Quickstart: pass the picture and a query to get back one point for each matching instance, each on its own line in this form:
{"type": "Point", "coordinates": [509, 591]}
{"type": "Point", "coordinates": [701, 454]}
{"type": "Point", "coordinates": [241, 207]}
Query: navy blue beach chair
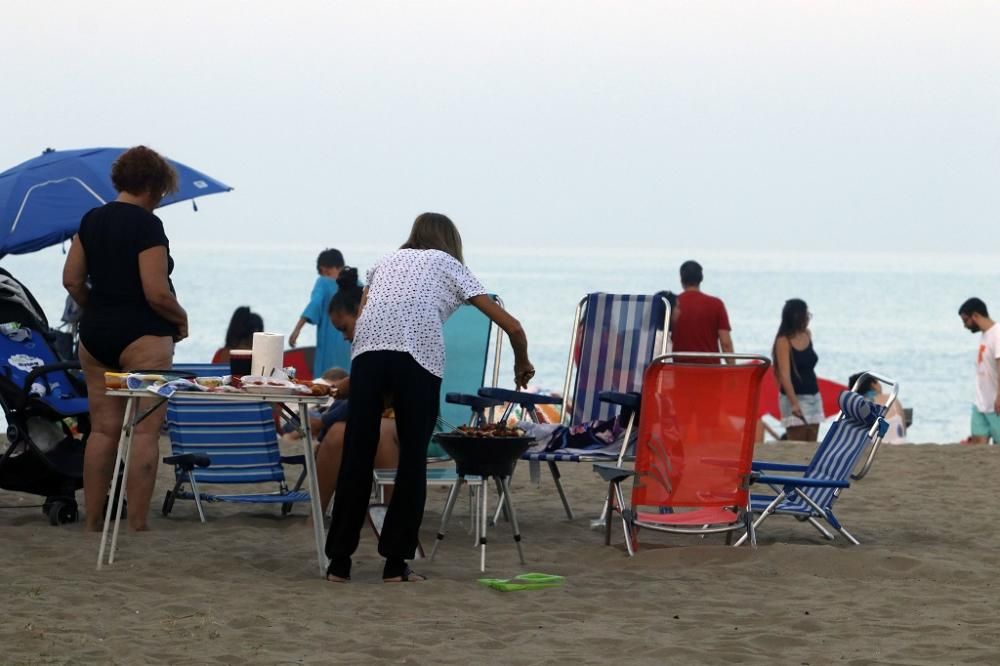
{"type": "Point", "coordinates": [809, 492]}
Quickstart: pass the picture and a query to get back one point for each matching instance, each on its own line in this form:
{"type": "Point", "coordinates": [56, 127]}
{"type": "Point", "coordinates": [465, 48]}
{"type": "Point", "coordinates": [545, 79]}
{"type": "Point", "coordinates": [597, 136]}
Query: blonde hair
{"type": "Point", "coordinates": [434, 231]}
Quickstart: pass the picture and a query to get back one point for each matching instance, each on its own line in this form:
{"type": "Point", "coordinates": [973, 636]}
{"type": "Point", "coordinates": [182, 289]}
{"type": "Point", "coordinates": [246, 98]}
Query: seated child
{"type": "Point", "coordinates": [322, 418]}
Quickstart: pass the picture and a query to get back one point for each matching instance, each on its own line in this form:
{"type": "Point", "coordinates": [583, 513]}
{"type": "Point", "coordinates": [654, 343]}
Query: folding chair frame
{"type": "Point", "coordinates": [788, 488]}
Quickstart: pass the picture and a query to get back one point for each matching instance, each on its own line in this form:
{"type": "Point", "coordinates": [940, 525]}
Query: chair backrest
{"type": "Point", "coordinates": [843, 444]}
{"type": "Point", "coordinates": [613, 340]}
{"type": "Point", "coordinates": [238, 437]}
{"type": "Point", "coordinates": [301, 358]}
{"type": "Point", "coordinates": [696, 432]}
{"type": "Point", "coordinates": [467, 335]}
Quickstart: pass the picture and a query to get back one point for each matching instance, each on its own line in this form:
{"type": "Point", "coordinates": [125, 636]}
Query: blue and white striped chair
{"type": "Point", "coordinates": [226, 443]}
{"type": "Point", "coordinates": [613, 340]}
{"type": "Point", "coordinates": [202, 369]}
{"type": "Point", "coordinates": [812, 495]}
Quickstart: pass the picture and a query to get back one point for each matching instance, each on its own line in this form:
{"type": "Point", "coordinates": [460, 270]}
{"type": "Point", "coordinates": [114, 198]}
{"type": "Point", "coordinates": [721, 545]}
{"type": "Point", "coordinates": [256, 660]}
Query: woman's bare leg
{"type": "Point", "coordinates": [106, 416]}
{"type": "Point", "coordinates": [148, 352]}
{"type": "Point", "coordinates": [387, 455]}
{"type": "Point", "coordinates": [331, 452]}
{"type": "Point", "coordinates": [328, 458]}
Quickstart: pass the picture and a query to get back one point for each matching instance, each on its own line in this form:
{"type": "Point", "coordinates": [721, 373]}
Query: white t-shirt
{"type": "Point", "coordinates": [986, 369]}
{"type": "Point", "coordinates": [410, 295]}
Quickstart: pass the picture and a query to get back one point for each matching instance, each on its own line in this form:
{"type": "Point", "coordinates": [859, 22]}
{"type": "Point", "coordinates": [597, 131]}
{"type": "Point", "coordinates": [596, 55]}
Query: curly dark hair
{"type": "Point", "coordinates": [140, 170]}
{"type": "Point", "coordinates": [348, 296]}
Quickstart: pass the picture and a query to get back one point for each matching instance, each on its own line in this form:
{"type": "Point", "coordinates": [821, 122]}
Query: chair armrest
{"type": "Point", "coordinates": [293, 460]}
{"type": "Point", "coordinates": [611, 473]}
{"type": "Point", "coordinates": [476, 402]}
{"type": "Point", "coordinates": [188, 461]}
{"type": "Point", "coordinates": [800, 481]}
{"type": "Point", "coordinates": [519, 397]}
{"type": "Point", "coordinates": [761, 465]}
{"type": "Point", "coordinates": [630, 400]}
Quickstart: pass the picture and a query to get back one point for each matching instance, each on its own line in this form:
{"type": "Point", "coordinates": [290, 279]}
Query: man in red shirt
{"type": "Point", "coordinates": [702, 325]}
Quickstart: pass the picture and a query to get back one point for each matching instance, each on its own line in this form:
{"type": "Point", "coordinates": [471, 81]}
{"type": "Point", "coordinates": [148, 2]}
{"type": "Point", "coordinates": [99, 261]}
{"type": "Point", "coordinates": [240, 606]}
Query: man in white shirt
{"type": "Point", "coordinates": [986, 410]}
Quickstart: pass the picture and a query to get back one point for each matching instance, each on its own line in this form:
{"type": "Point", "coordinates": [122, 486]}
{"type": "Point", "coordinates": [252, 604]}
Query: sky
{"type": "Point", "coordinates": [562, 124]}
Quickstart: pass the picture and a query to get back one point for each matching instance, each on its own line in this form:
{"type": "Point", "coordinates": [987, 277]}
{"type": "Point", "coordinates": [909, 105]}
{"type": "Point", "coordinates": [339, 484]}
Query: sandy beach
{"type": "Point", "coordinates": [243, 588]}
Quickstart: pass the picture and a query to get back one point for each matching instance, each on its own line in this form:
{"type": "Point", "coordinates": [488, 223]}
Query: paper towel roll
{"type": "Point", "coordinates": [268, 353]}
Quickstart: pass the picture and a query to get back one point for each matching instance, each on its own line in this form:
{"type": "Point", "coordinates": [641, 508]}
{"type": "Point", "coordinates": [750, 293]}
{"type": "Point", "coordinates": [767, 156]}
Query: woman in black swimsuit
{"type": "Point", "coordinates": [118, 270]}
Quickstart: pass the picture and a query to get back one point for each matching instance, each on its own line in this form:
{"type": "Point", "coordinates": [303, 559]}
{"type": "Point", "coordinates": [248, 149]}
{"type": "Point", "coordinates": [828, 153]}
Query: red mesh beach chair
{"type": "Point", "coordinates": [695, 446]}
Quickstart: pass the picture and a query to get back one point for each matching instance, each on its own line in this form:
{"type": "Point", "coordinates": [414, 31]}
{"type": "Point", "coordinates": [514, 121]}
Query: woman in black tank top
{"type": "Point", "coordinates": [794, 364]}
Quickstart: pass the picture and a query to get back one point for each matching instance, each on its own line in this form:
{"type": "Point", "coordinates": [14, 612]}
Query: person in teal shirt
{"type": "Point", "coordinates": [332, 351]}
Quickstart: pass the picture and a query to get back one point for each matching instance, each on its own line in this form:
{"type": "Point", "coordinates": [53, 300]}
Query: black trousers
{"type": "Point", "coordinates": [414, 394]}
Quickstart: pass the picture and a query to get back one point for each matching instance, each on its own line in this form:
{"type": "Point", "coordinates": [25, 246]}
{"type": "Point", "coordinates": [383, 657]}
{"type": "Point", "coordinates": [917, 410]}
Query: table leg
{"type": "Point", "coordinates": [484, 501]}
{"type": "Point", "coordinates": [317, 510]}
{"type": "Point", "coordinates": [123, 444]}
{"type": "Point", "coordinates": [505, 484]}
{"type": "Point", "coordinates": [449, 505]}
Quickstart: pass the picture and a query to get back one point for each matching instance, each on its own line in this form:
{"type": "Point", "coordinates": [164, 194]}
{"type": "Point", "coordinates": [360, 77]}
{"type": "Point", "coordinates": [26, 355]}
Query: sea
{"type": "Point", "coordinates": [895, 314]}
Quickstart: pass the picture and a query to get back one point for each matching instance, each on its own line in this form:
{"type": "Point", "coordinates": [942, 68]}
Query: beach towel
{"type": "Point", "coordinates": [599, 437]}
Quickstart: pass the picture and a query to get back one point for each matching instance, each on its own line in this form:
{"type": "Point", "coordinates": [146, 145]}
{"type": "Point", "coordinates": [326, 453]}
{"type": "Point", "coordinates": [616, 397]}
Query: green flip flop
{"type": "Point", "coordinates": [528, 581]}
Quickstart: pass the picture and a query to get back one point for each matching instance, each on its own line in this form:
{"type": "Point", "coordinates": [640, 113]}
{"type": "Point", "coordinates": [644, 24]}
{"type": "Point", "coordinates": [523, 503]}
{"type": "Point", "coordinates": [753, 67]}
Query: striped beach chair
{"type": "Point", "coordinates": [614, 338]}
{"type": "Point", "coordinates": [694, 450]}
{"type": "Point", "coordinates": [226, 444]}
{"type": "Point", "coordinates": [811, 496]}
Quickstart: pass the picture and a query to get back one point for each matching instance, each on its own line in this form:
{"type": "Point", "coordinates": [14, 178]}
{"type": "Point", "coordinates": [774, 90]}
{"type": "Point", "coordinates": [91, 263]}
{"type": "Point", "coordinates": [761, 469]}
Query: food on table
{"type": "Point", "coordinates": [317, 389]}
{"type": "Point", "coordinates": [492, 430]}
{"type": "Point", "coordinates": [115, 380]}
{"type": "Point", "coordinates": [320, 389]}
{"type": "Point", "coordinates": [258, 384]}
{"type": "Point", "coordinates": [209, 382]}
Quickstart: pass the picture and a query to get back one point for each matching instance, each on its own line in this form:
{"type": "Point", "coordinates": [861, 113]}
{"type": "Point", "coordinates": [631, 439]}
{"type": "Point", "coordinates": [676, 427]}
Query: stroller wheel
{"type": "Point", "coordinates": [62, 512]}
{"type": "Point", "coordinates": [168, 503]}
{"type": "Point", "coordinates": [286, 508]}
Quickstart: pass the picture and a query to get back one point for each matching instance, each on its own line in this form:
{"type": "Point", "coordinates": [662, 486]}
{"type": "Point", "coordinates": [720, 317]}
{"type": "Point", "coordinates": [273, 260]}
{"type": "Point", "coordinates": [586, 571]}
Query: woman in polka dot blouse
{"type": "Point", "coordinates": [398, 355]}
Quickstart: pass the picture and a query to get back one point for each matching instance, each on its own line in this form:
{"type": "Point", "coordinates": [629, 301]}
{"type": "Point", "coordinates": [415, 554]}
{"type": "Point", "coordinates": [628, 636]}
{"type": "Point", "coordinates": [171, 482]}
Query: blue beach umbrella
{"type": "Point", "coordinates": [42, 200]}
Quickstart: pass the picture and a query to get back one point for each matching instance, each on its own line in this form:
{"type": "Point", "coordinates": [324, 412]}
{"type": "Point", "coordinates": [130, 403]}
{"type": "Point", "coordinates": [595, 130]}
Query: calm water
{"type": "Point", "coordinates": [896, 315]}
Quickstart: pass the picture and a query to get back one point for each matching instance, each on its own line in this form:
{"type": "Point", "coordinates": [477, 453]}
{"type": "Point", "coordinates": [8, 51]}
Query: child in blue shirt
{"type": "Point", "coordinates": [332, 351]}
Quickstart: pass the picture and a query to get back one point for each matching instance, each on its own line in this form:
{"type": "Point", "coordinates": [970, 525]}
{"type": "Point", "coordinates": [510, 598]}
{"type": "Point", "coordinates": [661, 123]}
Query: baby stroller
{"type": "Point", "coordinates": [45, 406]}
